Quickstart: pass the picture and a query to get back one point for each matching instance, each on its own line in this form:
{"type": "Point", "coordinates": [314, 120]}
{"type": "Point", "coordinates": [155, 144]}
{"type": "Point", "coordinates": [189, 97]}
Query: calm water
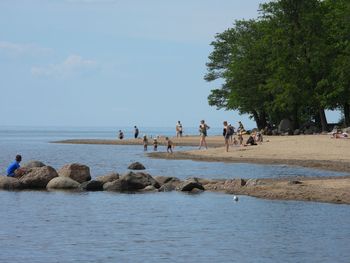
{"type": "Point", "coordinates": [161, 227]}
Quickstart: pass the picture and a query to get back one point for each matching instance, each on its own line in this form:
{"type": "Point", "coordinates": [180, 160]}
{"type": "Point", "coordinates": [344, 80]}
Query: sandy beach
{"type": "Point", "coordinates": [313, 151]}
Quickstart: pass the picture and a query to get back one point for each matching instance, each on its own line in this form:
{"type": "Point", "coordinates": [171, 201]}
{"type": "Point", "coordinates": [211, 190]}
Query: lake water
{"type": "Point", "coordinates": [39, 226]}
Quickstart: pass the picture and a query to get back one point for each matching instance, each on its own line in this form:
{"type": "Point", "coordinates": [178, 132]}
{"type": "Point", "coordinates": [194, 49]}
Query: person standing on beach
{"type": "Point", "coordinates": [203, 128]}
{"type": "Point", "coordinates": [155, 144]}
{"type": "Point", "coordinates": [178, 129]}
{"type": "Point", "coordinates": [136, 132]}
{"type": "Point", "coordinates": [121, 135]}
{"type": "Point", "coordinates": [227, 134]}
{"type": "Point", "coordinates": [14, 169]}
{"type": "Point", "coordinates": [169, 145]}
{"type": "Point", "coordinates": [145, 142]}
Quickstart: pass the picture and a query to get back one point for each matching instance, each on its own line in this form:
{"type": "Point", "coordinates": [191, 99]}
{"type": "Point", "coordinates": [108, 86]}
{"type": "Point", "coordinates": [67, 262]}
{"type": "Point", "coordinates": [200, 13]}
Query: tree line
{"type": "Point", "coordinates": [292, 62]}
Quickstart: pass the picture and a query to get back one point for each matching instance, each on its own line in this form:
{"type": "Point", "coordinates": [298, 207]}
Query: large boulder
{"type": "Point", "coordinates": [38, 177]}
{"type": "Point", "coordinates": [9, 183]}
{"type": "Point", "coordinates": [165, 179]}
{"type": "Point", "coordinates": [32, 164]}
{"type": "Point", "coordinates": [77, 172]}
{"type": "Point", "coordinates": [136, 181]}
{"type": "Point", "coordinates": [285, 126]}
{"type": "Point", "coordinates": [62, 183]}
{"type": "Point", "coordinates": [92, 185]}
{"type": "Point", "coordinates": [113, 186]}
{"type": "Point", "coordinates": [189, 185]}
{"type": "Point", "coordinates": [107, 178]}
{"type": "Point", "coordinates": [136, 166]}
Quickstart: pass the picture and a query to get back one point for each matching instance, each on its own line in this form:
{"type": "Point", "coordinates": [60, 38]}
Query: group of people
{"type": "Point", "coordinates": [169, 144]}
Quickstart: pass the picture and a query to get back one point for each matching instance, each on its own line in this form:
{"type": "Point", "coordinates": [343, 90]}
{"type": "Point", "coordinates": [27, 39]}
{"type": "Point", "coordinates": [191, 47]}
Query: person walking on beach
{"type": "Point", "coordinates": [155, 144]}
{"type": "Point", "coordinates": [203, 128]}
{"type": "Point", "coordinates": [169, 145]}
{"type": "Point", "coordinates": [178, 129]}
{"type": "Point", "coordinates": [120, 135]}
{"type": "Point", "coordinates": [145, 142]}
{"type": "Point", "coordinates": [136, 132]}
{"type": "Point", "coordinates": [14, 169]}
{"type": "Point", "coordinates": [226, 133]}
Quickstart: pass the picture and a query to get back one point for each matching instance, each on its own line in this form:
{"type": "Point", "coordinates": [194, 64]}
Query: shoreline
{"type": "Point", "coordinates": [311, 151]}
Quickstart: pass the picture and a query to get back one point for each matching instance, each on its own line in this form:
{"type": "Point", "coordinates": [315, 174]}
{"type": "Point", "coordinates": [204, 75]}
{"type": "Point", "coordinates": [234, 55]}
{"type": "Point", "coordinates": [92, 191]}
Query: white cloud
{"type": "Point", "coordinates": [23, 48]}
{"type": "Point", "coordinates": [72, 64]}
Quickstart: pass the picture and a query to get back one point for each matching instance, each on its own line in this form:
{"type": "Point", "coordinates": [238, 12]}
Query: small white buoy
{"type": "Point", "coordinates": [235, 198]}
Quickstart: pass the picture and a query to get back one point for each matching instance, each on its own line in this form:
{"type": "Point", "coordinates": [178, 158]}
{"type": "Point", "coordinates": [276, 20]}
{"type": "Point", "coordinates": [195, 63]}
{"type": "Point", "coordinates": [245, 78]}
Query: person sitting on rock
{"type": "Point", "coordinates": [14, 170]}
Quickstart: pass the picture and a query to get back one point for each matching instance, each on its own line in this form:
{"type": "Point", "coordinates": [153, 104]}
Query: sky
{"type": "Point", "coordinates": [112, 62]}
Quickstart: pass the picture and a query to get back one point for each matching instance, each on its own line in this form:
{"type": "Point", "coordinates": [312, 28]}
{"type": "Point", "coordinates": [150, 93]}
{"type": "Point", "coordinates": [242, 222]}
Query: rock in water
{"type": "Point", "coordinates": [92, 185]}
{"type": "Point", "coordinates": [62, 183]}
{"type": "Point", "coordinates": [32, 164]}
{"type": "Point", "coordinates": [9, 183]}
{"type": "Point", "coordinates": [136, 166]}
{"type": "Point", "coordinates": [137, 181]}
{"type": "Point", "coordinates": [189, 184]}
{"type": "Point", "coordinates": [108, 178]}
{"type": "Point", "coordinates": [38, 177]}
{"type": "Point", "coordinates": [77, 172]}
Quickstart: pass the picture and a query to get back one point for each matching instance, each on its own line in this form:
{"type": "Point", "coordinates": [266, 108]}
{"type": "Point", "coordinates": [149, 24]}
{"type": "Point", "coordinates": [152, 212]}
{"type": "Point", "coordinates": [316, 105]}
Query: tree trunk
{"type": "Point", "coordinates": [256, 118]}
{"type": "Point", "coordinates": [323, 119]}
{"type": "Point", "coordinates": [347, 114]}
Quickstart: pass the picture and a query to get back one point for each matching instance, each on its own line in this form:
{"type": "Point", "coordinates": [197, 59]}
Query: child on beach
{"type": "Point", "coordinates": [145, 142]}
{"type": "Point", "coordinates": [169, 145]}
{"type": "Point", "coordinates": [155, 144]}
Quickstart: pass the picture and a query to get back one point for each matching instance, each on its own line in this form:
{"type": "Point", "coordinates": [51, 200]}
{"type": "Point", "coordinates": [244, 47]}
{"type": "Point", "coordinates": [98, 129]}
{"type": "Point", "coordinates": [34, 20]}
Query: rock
{"type": "Point", "coordinates": [62, 183]}
{"type": "Point", "coordinates": [136, 166]}
{"type": "Point", "coordinates": [38, 177]}
{"type": "Point", "coordinates": [107, 178]}
{"type": "Point", "coordinates": [165, 179]}
{"type": "Point", "coordinates": [9, 183]}
{"type": "Point", "coordinates": [113, 186]}
{"type": "Point", "coordinates": [168, 187]}
{"type": "Point", "coordinates": [189, 184]}
{"type": "Point", "coordinates": [77, 172]}
{"type": "Point", "coordinates": [136, 181]}
{"type": "Point", "coordinates": [254, 182]}
{"type": "Point", "coordinates": [285, 126]}
{"type": "Point", "coordinates": [235, 182]}
{"type": "Point", "coordinates": [32, 164]}
{"type": "Point", "coordinates": [149, 188]}
{"type": "Point", "coordinates": [92, 185]}
{"type": "Point", "coordinates": [196, 191]}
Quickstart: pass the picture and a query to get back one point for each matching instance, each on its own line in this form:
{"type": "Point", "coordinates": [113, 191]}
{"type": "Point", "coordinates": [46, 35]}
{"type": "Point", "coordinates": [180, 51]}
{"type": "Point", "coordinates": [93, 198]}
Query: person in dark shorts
{"type": "Point", "coordinates": [226, 133]}
{"type": "Point", "coordinates": [155, 144]}
{"type": "Point", "coordinates": [169, 148]}
{"type": "Point", "coordinates": [136, 132]}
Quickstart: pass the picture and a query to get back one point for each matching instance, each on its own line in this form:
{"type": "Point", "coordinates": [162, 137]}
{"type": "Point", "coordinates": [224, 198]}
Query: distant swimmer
{"type": "Point", "coordinates": [14, 169]}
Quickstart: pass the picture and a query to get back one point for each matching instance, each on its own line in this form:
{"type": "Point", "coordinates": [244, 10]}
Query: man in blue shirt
{"type": "Point", "coordinates": [14, 167]}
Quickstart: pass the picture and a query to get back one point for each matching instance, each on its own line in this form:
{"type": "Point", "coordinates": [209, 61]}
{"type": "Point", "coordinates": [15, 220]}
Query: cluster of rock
{"type": "Point", "coordinates": [77, 177]}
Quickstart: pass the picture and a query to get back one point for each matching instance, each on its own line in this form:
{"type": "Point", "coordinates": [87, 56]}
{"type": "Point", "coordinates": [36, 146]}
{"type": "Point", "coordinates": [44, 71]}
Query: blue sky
{"type": "Point", "coordinates": [111, 62]}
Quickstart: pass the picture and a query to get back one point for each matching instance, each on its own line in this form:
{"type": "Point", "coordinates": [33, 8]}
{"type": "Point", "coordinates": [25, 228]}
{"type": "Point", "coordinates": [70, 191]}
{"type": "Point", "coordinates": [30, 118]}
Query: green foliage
{"type": "Point", "coordinates": [293, 62]}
